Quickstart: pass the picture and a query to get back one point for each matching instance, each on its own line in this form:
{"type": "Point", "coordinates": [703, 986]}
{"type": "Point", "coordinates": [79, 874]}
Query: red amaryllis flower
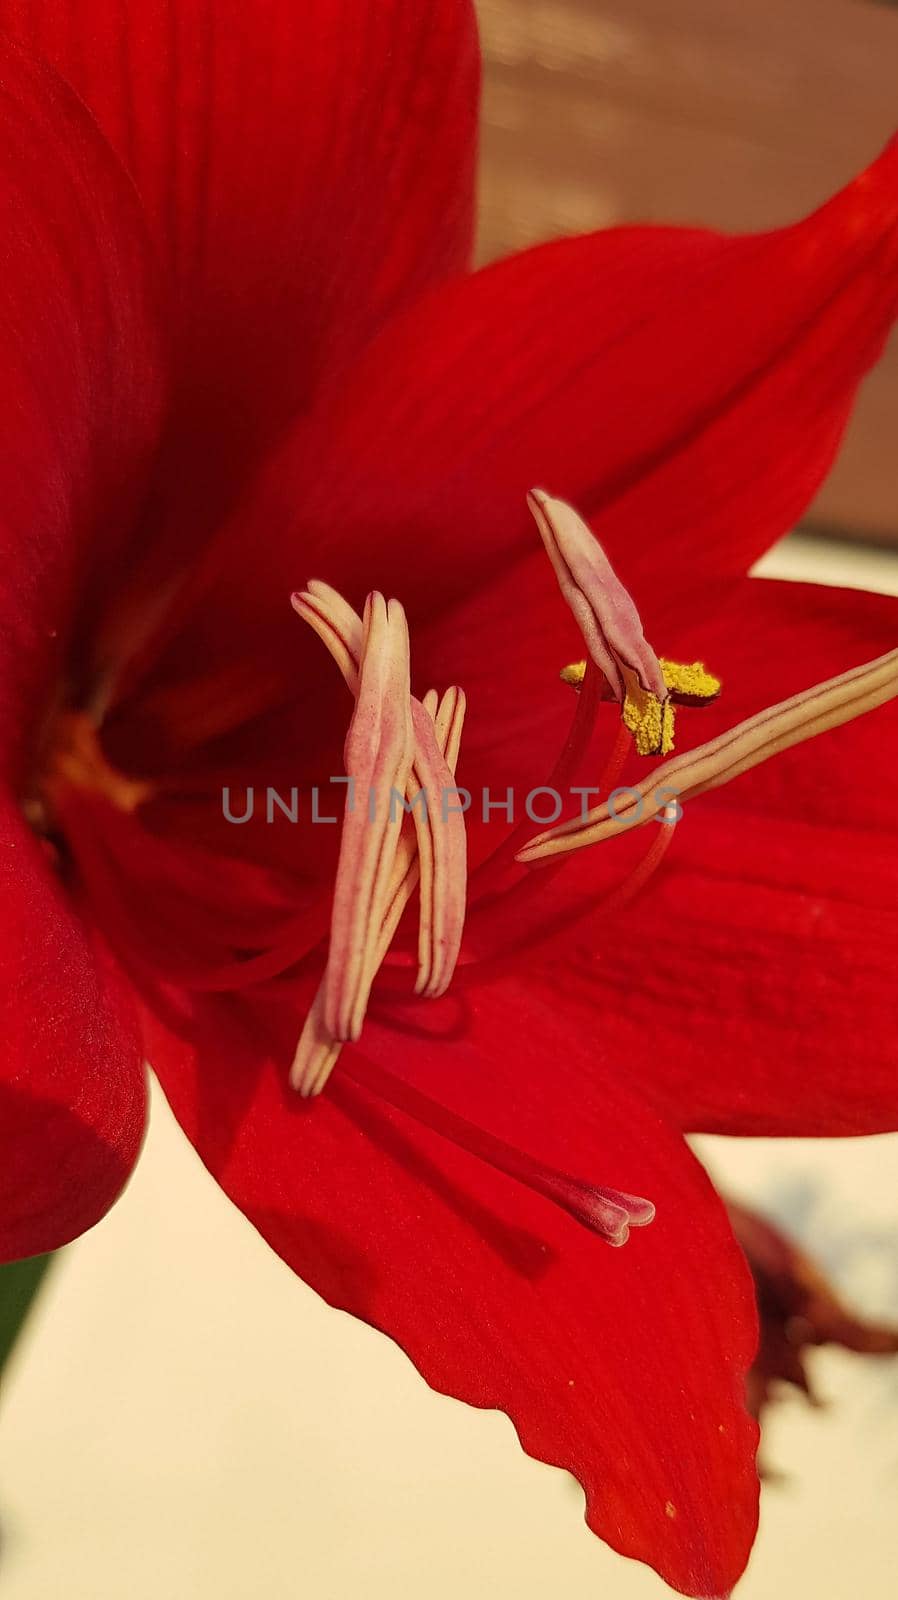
{"type": "Point", "coordinates": [240, 353]}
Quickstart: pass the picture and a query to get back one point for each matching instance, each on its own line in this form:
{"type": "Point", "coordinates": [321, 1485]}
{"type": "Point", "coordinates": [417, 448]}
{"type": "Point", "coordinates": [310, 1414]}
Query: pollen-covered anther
{"type": "Point", "coordinates": [649, 719]}
{"type": "Point", "coordinates": [608, 621]}
{"type": "Point", "coordinates": [688, 683]}
{"type": "Point", "coordinates": [827, 705]}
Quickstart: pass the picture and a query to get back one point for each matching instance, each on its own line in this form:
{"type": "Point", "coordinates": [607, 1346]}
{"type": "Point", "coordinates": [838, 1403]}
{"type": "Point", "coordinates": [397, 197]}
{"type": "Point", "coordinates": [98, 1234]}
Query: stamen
{"type": "Point", "coordinates": [610, 1213]}
{"type": "Point", "coordinates": [636, 880]}
{"type": "Point", "coordinates": [317, 1052]}
{"type": "Point", "coordinates": [449, 718]}
{"type": "Point", "coordinates": [442, 860]}
{"type": "Point", "coordinates": [778, 728]}
{"type": "Point", "coordinates": [378, 754]}
{"type": "Point", "coordinates": [441, 848]}
{"type": "Point", "coordinates": [336, 624]}
{"type": "Point", "coordinates": [608, 621]}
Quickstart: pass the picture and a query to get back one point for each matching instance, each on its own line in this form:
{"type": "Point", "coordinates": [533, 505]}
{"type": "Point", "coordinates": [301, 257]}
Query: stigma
{"type": "Point", "coordinates": [607, 1212]}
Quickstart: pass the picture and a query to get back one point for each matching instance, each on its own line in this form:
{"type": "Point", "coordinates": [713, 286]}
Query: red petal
{"type": "Point", "coordinates": [81, 384]}
{"type": "Point", "coordinates": [79, 405]}
{"type": "Point", "coordinates": [685, 390]}
{"type": "Point", "coordinates": [624, 1366]}
{"type": "Point", "coordinates": [306, 168]}
{"type": "Point", "coordinates": [72, 1084]}
{"type": "Point", "coordinates": [752, 984]}
{"type": "Point", "coordinates": [641, 373]}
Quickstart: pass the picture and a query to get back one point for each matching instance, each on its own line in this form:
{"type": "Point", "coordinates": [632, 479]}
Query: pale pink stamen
{"type": "Point", "coordinates": [318, 1052]}
{"type": "Point", "coordinates": [449, 717]}
{"type": "Point", "coordinates": [341, 630]}
{"type": "Point", "coordinates": [442, 857]}
{"type": "Point", "coordinates": [378, 757]}
{"type": "Point", "coordinates": [336, 624]}
{"type": "Point", "coordinates": [439, 824]}
{"type": "Point", "coordinates": [446, 718]}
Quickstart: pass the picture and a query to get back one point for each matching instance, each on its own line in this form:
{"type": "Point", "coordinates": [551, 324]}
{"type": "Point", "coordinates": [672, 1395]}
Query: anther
{"type": "Point", "coordinates": [688, 683]}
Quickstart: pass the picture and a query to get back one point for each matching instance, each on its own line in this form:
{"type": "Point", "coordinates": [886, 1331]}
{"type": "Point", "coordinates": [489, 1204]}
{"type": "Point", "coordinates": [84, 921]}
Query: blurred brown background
{"type": "Point", "coordinates": [735, 113]}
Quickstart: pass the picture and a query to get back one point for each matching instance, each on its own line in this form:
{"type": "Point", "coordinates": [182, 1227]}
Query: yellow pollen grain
{"type": "Point", "coordinates": [573, 674]}
{"type": "Point", "coordinates": [692, 679]}
{"type": "Point", "coordinates": [688, 678]}
{"type": "Point", "coordinates": [650, 720]}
